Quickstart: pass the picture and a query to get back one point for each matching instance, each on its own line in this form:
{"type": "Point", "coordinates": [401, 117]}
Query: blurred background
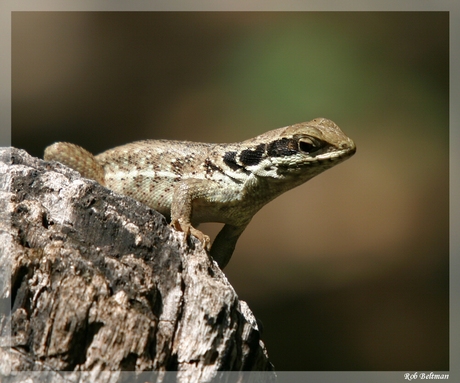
{"type": "Point", "coordinates": [347, 272]}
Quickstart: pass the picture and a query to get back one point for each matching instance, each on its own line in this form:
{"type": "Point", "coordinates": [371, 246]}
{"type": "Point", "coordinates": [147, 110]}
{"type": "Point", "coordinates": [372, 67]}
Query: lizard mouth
{"type": "Point", "coordinates": [324, 158]}
{"type": "Point", "coordinates": [347, 150]}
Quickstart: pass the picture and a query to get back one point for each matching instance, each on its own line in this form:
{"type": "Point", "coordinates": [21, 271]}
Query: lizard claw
{"type": "Point", "coordinates": [188, 229]}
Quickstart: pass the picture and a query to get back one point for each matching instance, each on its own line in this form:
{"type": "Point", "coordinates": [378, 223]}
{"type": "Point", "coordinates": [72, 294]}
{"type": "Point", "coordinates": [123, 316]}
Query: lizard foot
{"type": "Point", "coordinates": [188, 229]}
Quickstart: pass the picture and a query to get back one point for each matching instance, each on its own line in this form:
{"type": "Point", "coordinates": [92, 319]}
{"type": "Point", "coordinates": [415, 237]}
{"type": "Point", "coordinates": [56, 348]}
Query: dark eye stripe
{"type": "Point", "coordinates": [250, 157]}
{"type": "Point", "coordinates": [230, 160]}
{"type": "Point", "coordinates": [281, 148]}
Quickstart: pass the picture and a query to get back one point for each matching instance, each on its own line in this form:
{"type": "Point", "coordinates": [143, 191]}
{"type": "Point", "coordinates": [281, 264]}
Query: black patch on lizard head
{"type": "Point", "coordinates": [250, 157]}
{"type": "Point", "coordinates": [282, 148]}
{"type": "Point", "coordinates": [230, 160]}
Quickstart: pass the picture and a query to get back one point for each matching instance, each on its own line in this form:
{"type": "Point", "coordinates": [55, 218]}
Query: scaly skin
{"type": "Point", "coordinates": [192, 182]}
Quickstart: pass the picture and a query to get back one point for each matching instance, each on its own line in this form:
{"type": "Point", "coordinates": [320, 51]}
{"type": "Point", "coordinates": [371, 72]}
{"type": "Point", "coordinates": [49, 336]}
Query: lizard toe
{"type": "Point", "coordinates": [188, 230]}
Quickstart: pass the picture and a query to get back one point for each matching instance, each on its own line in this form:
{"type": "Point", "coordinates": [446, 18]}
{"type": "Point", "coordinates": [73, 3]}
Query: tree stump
{"type": "Point", "coordinates": [99, 283]}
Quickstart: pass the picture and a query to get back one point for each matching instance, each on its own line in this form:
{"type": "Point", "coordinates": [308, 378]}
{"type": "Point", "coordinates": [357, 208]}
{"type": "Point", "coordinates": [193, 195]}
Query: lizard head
{"type": "Point", "coordinates": [299, 151]}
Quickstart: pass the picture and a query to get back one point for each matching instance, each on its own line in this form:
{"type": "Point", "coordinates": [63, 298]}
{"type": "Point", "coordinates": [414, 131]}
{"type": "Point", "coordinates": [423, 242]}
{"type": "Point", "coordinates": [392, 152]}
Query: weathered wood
{"type": "Point", "coordinates": [100, 282]}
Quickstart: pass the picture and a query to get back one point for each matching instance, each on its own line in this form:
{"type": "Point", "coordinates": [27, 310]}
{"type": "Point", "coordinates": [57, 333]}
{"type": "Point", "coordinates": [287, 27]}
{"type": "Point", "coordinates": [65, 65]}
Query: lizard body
{"type": "Point", "coordinates": [192, 183]}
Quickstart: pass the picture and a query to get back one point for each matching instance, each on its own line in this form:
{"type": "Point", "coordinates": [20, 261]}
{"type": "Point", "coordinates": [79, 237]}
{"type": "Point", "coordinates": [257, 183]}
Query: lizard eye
{"type": "Point", "coordinates": [309, 145]}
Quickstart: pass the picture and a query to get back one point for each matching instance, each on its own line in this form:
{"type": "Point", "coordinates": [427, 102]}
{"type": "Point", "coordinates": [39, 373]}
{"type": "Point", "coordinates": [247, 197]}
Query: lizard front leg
{"type": "Point", "coordinates": [181, 209]}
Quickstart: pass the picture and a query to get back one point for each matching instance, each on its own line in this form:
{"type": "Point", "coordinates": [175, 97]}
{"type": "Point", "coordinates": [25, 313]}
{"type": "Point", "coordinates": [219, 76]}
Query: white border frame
{"type": "Point", "coordinates": [453, 6]}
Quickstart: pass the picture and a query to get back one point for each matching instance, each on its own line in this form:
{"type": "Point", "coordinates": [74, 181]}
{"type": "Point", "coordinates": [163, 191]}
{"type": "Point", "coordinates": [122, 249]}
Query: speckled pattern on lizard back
{"type": "Point", "coordinates": [191, 183]}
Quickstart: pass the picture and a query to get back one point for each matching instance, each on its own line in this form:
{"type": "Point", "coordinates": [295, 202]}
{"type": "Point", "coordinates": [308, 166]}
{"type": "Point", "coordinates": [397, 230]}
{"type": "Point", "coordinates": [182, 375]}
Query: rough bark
{"type": "Point", "coordinates": [99, 282]}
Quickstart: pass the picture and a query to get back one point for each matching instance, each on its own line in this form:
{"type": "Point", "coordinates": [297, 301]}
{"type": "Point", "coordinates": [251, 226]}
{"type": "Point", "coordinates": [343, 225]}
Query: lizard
{"type": "Point", "coordinates": [191, 182]}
